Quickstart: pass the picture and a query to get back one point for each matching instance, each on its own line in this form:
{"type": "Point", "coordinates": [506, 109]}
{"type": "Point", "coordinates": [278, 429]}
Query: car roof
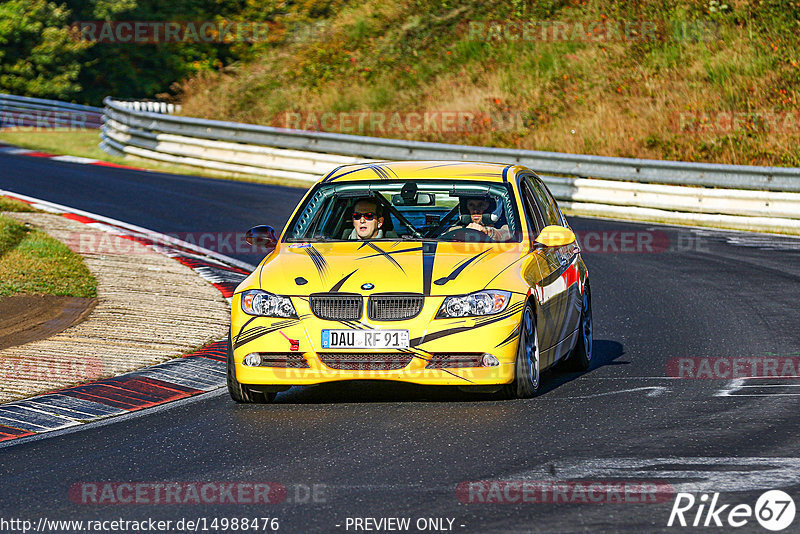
{"type": "Point", "coordinates": [428, 170]}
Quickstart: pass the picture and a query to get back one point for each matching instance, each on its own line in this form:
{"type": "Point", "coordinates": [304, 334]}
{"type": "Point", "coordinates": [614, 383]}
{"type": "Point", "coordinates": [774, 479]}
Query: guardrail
{"type": "Point", "coordinates": [43, 114]}
{"type": "Point", "coordinates": [637, 170]}
{"type": "Point", "coordinates": [153, 106]}
{"type": "Point", "coordinates": [744, 197]}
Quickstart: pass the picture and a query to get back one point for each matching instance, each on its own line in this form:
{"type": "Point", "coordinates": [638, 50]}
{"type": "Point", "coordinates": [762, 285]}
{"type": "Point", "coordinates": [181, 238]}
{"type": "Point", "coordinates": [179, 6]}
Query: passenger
{"type": "Point", "coordinates": [480, 212]}
{"type": "Point", "coordinates": [367, 220]}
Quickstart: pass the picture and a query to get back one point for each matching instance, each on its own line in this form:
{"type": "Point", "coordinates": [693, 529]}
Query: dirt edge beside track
{"type": "Point", "coordinates": [150, 308]}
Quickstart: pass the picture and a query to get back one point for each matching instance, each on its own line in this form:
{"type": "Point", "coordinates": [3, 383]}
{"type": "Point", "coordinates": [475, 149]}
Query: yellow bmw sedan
{"type": "Point", "coordinates": [430, 272]}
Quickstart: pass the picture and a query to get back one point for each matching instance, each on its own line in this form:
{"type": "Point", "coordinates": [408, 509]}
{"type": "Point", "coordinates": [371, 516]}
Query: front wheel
{"type": "Point", "coordinates": [240, 392]}
{"type": "Point", "coordinates": [580, 359]}
{"type": "Point", "coordinates": [527, 370]}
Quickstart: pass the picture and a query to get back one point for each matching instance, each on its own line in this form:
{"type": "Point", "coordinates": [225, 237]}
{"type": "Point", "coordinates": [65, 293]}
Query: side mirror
{"type": "Point", "coordinates": [261, 236]}
{"type": "Point", "coordinates": [555, 236]}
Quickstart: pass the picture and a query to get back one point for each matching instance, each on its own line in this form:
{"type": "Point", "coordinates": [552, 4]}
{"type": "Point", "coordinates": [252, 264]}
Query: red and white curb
{"type": "Point", "coordinates": [195, 373]}
{"type": "Point", "coordinates": [17, 151]}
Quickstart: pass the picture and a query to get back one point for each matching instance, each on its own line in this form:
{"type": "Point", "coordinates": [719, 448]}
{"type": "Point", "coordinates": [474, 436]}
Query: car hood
{"type": "Point", "coordinates": [430, 267]}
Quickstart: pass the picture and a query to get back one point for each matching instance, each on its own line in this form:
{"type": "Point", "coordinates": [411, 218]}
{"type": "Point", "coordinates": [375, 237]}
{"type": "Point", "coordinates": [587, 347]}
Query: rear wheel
{"type": "Point", "coordinates": [527, 371]}
{"type": "Point", "coordinates": [580, 359]}
{"type": "Point", "coordinates": [240, 392]}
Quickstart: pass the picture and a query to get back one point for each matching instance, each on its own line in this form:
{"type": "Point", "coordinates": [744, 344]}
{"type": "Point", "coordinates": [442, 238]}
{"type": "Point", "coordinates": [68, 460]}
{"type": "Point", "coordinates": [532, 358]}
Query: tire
{"type": "Point", "coordinates": [527, 369]}
{"type": "Point", "coordinates": [580, 359]}
{"type": "Point", "coordinates": [239, 392]}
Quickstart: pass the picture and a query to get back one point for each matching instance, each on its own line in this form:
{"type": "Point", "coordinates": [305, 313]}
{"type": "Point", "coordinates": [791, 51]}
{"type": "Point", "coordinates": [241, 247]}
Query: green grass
{"type": "Point", "coordinates": [9, 204]}
{"type": "Point", "coordinates": [31, 262]}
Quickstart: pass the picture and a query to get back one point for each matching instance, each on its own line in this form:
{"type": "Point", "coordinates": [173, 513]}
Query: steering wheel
{"type": "Point", "coordinates": [466, 234]}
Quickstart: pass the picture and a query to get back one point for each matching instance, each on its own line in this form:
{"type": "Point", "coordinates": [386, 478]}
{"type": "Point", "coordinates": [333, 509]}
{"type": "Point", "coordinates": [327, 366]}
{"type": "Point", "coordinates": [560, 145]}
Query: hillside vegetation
{"type": "Point", "coordinates": [692, 80]}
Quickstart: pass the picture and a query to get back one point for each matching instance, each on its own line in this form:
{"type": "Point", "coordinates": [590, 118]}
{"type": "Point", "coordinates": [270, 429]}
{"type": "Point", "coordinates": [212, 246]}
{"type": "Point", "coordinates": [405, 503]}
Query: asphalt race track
{"type": "Point", "coordinates": [665, 300]}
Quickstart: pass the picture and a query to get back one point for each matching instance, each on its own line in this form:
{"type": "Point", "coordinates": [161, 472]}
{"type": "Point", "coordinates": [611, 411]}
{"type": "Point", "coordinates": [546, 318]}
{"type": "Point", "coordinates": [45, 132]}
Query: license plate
{"type": "Point", "coordinates": [365, 339]}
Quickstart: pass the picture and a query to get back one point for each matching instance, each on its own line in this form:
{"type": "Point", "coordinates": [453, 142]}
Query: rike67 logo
{"type": "Point", "coordinates": [774, 510]}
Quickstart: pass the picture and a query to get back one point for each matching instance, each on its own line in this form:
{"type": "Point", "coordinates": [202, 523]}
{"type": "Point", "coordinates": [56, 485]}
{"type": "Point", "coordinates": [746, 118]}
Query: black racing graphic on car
{"type": "Point", "coordinates": [511, 337]}
{"type": "Point", "coordinates": [380, 170]}
{"type": "Point", "coordinates": [449, 164]}
{"type": "Point", "coordinates": [258, 331]}
{"type": "Point", "coordinates": [428, 255]}
{"type": "Point", "coordinates": [250, 320]}
{"type": "Point", "coordinates": [319, 261]}
{"type": "Point", "coordinates": [338, 285]}
{"type": "Point", "coordinates": [356, 325]}
{"type": "Point", "coordinates": [459, 268]}
{"type": "Point", "coordinates": [385, 254]}
{"type": "Point", "coordinates": [512, 310]}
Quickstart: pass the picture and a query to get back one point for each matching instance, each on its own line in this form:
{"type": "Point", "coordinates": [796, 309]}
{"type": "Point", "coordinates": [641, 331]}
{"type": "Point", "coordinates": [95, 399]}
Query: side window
{"type": "Point", "coordinates": [552, 199]}
{"type": "Point", "coordinates": [549, 208]}
{"type": "Point", "coordinates": [533, 207]}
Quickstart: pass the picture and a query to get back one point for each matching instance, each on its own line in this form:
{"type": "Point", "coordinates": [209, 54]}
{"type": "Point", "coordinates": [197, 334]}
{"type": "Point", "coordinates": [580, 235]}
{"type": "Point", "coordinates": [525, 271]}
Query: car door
{"type": "Point", "coordinates": [567, 257]}
{"type": "Point", "coordinates": [544, 276]}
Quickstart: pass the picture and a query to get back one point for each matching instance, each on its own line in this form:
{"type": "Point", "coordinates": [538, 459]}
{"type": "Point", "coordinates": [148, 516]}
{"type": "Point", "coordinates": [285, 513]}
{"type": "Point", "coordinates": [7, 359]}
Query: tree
{"type": "Point", "coordinates": [38, 56]}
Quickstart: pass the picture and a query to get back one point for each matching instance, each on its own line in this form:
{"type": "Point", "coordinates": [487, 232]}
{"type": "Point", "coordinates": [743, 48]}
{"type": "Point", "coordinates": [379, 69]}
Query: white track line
{"type": "Point", "coordinates": [157, 236]}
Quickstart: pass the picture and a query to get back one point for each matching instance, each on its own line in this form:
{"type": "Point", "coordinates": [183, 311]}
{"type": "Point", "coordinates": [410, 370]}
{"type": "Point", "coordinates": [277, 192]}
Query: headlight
{"type": "Point", "coordinates": [481, 303]}
{"type": "Point", "coordinates": [257, 302]}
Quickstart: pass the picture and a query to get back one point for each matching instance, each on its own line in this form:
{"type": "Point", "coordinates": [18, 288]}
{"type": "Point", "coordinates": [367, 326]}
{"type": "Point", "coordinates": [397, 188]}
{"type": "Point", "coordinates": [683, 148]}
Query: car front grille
{"type": "Point", "coordinates": [455, 360]}
{"type": "Point", "coordinates": [289, 360]}
{"type": "Point", "coordinates": [394, 306]}
{"type": "Point", "coordinates": [336, 306]}
{"type": "Point", "coordinates": [366, 361]}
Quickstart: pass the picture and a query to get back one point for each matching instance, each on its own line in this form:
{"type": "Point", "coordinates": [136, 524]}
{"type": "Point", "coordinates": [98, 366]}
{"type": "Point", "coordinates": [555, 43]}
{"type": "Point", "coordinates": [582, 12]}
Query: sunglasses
{"type": "Point", "coordinates": [368, 215]}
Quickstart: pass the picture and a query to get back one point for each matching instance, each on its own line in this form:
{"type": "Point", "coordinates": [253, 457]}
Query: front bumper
{"type": "Point", "coordinates": [496, 335]}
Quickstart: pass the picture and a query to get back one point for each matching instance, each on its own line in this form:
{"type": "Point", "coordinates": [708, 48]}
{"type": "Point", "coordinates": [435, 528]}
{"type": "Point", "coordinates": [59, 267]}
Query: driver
{"type": "Point", "coordinates": [367, 220]}
{"type": "Point", "coordinates": [480, 210]}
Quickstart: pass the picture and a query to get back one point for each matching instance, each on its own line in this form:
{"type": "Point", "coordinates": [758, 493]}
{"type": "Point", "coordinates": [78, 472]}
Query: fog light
{"type": "Point", "coordinates": [489, 360]}
{"type": "Point", "coordinates": [252, 360]}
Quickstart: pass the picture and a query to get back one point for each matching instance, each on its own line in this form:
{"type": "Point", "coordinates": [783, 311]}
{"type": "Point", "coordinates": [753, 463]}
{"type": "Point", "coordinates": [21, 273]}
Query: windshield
{"type": "Point", "coordinates": [411, 210]}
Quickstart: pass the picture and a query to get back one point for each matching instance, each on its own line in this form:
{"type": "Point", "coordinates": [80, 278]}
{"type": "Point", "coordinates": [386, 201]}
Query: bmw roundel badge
{"type": "Point", "coordinates": [367, 286]}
